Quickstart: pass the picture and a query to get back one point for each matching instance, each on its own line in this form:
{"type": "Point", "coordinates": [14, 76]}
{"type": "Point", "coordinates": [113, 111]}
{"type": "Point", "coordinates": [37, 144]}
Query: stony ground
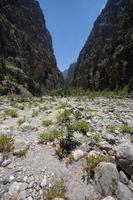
{"type": "Point", "coordinates": [31, 168]}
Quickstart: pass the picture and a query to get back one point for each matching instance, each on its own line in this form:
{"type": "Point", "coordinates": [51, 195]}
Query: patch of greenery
{"type": "Point", "coordinates": [6, 143]}
{"type": "Point", "coordinates": [117, 115]}
{"type": "Point", "coordinates": [49, 137]}
{"type": "Point", "coordinates": [92, 161]}
{"type": "Point", "coordinates": [69, 159]}
{"type": "Point", "coordinates": [127, 129]}
{"type": "Point", "coordinates": [63, 116]}
{"type": "Point", "coordinates": [59, 92]}
{"type": "Point", "coordinates": [96, 138]}
{"type": "Point", "coordinates": [67, 143]}
{"type": "Point", "coordinates": [111, 128]}
{"type": "Point", "coordinates": [11, 112]}
{"type": "Point", "coordinates": [62, 105]}
{"type": "Point", "coordinates": [34, 113]}
{"type": "Point", "coordinates": [19, 106]}
{"type": "Point", "coordinates": [44, 107]}
{"type": "Point", "coordinates": [36, 104]}
{"type": "Point", "coordinates": [47, 122]}
{"type": "Point", "coordinates": [121, 92]}
{"type": "Point", "coordinates": [7, 85]}
{"type": "Point", "coordinates": [23, 153]}
{"type": "Point", "coordinates": [77, 115]}
{"type": "Point", "coordinates": [81, 126]}
{"type": "Point", "coordinates": [113, 187]}
{"type": "Point", "coordinates": [56, 191]}
{"type": "Point", "coordinates": [88, 110]}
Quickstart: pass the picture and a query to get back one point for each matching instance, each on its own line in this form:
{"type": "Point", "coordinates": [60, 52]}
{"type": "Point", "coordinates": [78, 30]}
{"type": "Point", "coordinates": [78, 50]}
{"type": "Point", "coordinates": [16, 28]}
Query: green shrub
{"type": "Point", "coordinates": [92, 161]}
{"type": "Point", "coordinates": [23, 153]}
{"type": "Point", "coordinates": [67, 143]}
{"type": "Point", "coordinates": [69, 159]}
{"type": "Point", "coordinates": [56, 191]}
{"type": "Point", "coordinates": [49, 137]}
{"type": "Point", "coordinates": [111, 128]}
{"type": "Point", "coordinates": [63, 116]}
{"type": "Point", "coordinates": [34, 113]}
{"type": "Point", "coordinates": [123, 92]}
{"type": "Point", "coordinates": [7, 85]}
{"type": "Point", "coordinates": [127, 129]}
{"type": "Point", "coordinates": [77, 115]}
{"type": "Point", "coordinates": [62, 105]}
{"type": "Point", "coordinates": [11, 112]}
{"type": "Point", "coordinates": [81, 126]}
{"type": "Point", "coordinates": [114, 187]}
{"type": "Point", "coordinates": [58, 92]}
{"type": "Point", "coordinates": [44, 107]}
{"type": "Point", "coordinates": [96, 138]}
{"type": "Point", "coordinates": [117, 115]}
{"type": "Point", "coordinates": [47, 122]}
{"type": "Point", "coordinates": [6, 143]}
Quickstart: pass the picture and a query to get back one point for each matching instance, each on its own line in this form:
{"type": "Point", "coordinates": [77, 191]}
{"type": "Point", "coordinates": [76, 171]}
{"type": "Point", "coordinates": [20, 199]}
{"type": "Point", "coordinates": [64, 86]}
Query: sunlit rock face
{"type": "Point", "coordinates": [106, 60]}
{"type": "Point", "coordinates": [26, 45]}
{"type": "Point", "coordinates": [69, 74]}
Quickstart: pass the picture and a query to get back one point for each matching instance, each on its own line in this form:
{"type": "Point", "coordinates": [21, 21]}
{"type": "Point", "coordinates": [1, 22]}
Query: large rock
{"type": "Point", "coordinates": [6, 162]}
{"type": "Point", "coordinates": [20, 89]}
{"type": "Point", "coordinates": [130, 185]}
{"type": "Point", "coordinates": [44, 181]}
{"type": "Point", "coordinates": [110, 138]}
{"type": "Point", "coordinates": [109, 198]}
{"type": "Point", "coordinates": [26, 127]}
{"type": "Point", "coordinates": [123, 192]}
{"type": "Point", "coordinates": [123, 178]}
{"type": "Point", "coordinates": [124, 157]}
{"type": "Point", "coordinates": [58, 199]}
{"type": "Point", "coordinates": [20, 145]}
{"type": "Point", "coordinates": [106, 175]}
{"type": "Point", "coordinates": [130, 123]}
{"type": "Point", "coordinates": [104, 145]}
{"type": "Point", "coordinates": [77, 154]}
{"type": "Point", "coordinates": [14, 190]}
{"type": "Point", "coordinates": [23, 195]}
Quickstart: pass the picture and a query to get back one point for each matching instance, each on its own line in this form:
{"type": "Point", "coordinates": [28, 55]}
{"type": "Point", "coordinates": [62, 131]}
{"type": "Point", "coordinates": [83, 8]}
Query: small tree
{"type": "Point", "coordinates": [67, 142]}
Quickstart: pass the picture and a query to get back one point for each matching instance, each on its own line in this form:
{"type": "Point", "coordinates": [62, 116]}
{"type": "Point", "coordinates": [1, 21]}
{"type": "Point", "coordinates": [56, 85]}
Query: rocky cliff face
{"type": "Point", "coordinates": [106, 60]}
{"type": "Point", "coordinates": [70, 74]}
{"type": "Point", "coordinates": [65, 73]}
{"type": "Point", "coordinates": [26, 47]}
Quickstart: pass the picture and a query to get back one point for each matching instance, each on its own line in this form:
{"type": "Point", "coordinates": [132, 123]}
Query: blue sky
{"type": "Point", "coordinates": [70, 22]}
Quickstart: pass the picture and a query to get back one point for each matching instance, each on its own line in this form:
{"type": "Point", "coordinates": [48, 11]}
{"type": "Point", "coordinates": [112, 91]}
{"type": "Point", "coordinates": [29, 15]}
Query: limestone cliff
{"type": "Point", "coordinates": [106, 60]}
{"type": "Point", "coordinates": [26, 47]}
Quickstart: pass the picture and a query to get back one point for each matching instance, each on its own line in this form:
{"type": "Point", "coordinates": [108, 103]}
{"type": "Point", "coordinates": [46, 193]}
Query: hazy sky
{"type": "Point", "coordinates": [70, 22]}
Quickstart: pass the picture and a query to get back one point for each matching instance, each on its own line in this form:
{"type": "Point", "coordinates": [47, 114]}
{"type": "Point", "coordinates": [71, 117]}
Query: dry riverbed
{"type": "Point", "coordinates": [74, 148]}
